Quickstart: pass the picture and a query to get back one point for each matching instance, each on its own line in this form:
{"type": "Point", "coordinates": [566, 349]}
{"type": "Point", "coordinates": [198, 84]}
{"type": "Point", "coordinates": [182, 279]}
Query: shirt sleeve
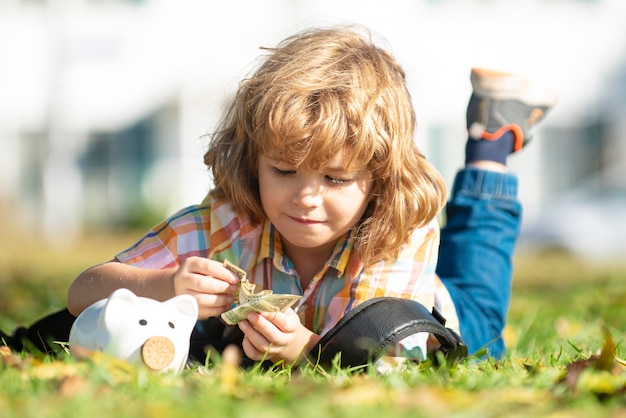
{"type": "Point", "coordinates": [169, 243]}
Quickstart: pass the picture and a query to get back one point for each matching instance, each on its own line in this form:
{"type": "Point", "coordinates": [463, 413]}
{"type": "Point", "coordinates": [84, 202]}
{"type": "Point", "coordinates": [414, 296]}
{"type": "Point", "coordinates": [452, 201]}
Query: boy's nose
{"type": "Point", "coordinates": [307, 195]}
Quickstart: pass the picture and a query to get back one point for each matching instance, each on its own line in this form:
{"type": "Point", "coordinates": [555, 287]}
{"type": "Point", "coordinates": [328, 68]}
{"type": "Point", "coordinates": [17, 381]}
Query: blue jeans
{"type": "Point", "coordinates": [483, 218]}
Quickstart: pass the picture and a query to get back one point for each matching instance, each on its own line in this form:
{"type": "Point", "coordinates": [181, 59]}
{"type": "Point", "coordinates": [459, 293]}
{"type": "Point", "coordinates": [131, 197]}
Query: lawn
{"type": "Point", "coordinates": [564, 312]}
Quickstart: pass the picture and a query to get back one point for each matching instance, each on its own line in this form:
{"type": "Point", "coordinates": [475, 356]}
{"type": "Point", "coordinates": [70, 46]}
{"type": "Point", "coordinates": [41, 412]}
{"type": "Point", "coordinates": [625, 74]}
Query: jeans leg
{"type": "Point", "coordinates": [475, 257]}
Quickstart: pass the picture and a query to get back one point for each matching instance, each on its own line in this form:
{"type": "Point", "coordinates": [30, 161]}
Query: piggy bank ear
{"type": "Point", "coordinates": [186, 305]}
{"type": "Point", "coordinates": [117, 305]}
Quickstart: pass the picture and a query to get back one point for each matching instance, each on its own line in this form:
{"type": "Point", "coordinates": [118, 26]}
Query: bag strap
{"type": "Point", "coordinates": [366, 332]}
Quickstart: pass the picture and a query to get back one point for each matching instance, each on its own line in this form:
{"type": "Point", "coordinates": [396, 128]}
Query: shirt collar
{"type": "Point", "coordinates": [271, 247]}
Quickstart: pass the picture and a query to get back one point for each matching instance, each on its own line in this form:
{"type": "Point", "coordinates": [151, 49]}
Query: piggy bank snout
{"type": "Point", "coordinates": [158, 352]}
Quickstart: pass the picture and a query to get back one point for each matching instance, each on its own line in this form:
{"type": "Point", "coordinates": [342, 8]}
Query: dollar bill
{"type": "Point", "coordinates": [247, 300]}
{"type": "Point", "coordinates": [242, 275]}
{"type": "Point", "coordinates": [266, 303]}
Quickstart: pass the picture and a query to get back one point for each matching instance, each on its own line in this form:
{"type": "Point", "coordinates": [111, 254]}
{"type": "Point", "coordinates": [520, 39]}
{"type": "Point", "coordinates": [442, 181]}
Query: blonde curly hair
{"type": "Point", "coordinates": [319, 92]}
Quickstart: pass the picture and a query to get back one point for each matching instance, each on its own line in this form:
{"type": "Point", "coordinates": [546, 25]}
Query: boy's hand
{"type": "Point", "coordinates": [209, 282]}
{"type": "Point", "coordinates": [276, 336]}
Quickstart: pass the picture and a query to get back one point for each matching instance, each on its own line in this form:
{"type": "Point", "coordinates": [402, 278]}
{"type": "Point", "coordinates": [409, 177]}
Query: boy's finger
{"type": "Point", "coordinates": [280, 320]}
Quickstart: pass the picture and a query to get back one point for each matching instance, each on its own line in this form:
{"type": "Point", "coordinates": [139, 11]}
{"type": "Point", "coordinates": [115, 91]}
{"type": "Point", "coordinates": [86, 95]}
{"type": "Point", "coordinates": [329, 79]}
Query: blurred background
{"type": "Point", "coordinates": [105, 104]}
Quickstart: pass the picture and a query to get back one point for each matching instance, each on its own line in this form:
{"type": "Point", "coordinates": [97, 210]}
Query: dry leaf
{"type": "Point", "coordinates": [9, 359]}
{"type": "Point", "coordinates": [601, 374]}
{"type": "Point", "coordinates": [71, 386]}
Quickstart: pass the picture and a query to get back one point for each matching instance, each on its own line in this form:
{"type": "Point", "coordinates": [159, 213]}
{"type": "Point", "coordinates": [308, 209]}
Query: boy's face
{"type": "Point", "coordinates": [312, 209]}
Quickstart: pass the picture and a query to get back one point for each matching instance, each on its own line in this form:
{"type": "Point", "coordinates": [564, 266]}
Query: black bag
{"type": "Point", "coordinates": [368, 331]}
{"type": "Point", "coordinates": [42, 335]}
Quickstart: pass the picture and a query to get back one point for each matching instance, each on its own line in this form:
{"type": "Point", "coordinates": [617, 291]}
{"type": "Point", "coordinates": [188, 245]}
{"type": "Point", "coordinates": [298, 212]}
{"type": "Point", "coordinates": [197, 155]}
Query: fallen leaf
{"type": "Point", "coordinates": [601, 374]}
{"type": "Point", "coordinates": [606, 359]}
{"type": "Point", "coordinates": [9, 359]}
{"type": "Point", "coordinates": [71, 386]}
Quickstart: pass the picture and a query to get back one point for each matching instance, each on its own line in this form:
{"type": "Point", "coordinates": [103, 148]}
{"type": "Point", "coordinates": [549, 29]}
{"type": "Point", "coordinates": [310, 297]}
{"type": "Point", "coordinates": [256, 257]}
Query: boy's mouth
{"type": "Point", "coordinates": [305, 221]}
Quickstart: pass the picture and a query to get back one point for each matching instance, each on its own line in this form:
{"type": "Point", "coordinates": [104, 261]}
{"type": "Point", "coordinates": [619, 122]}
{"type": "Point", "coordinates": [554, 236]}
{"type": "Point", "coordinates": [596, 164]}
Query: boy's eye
{"type": "Point", "coordinates": [280, 172]}
{"type": "Point", "coordinates": [337, 181]}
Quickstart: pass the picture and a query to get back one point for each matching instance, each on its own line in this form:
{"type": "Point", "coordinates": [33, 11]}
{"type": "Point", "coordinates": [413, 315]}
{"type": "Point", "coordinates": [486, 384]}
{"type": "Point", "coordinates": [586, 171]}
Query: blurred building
{"type": "Point", "coordinates": [105, 105]}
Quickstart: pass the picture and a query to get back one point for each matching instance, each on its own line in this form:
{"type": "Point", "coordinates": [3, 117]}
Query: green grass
{"type": "Point", "coordinates": [559, 310]}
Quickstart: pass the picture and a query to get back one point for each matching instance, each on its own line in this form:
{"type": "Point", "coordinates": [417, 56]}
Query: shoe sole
{"type": "Point", "coordinates": [499, 85]}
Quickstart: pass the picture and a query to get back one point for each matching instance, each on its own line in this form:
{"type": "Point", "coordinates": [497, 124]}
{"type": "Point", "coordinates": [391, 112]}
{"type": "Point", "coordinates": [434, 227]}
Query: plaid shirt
{"type": "Point", "coordinates": [213, 230]}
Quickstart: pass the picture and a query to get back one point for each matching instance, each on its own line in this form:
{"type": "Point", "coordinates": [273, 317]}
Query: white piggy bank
{"type": "Point", "coordinates": [137, 329]}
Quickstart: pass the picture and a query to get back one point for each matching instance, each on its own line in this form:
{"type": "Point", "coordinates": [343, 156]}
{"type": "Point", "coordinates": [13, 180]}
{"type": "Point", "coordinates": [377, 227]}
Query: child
{"type": "Point", "coordinates": [321, 191]}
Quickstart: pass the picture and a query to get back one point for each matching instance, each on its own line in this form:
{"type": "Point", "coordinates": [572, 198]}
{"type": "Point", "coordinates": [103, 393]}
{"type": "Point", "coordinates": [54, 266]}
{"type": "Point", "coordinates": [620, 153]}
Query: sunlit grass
{"type": "Point", "coordinates": [559, 310]}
